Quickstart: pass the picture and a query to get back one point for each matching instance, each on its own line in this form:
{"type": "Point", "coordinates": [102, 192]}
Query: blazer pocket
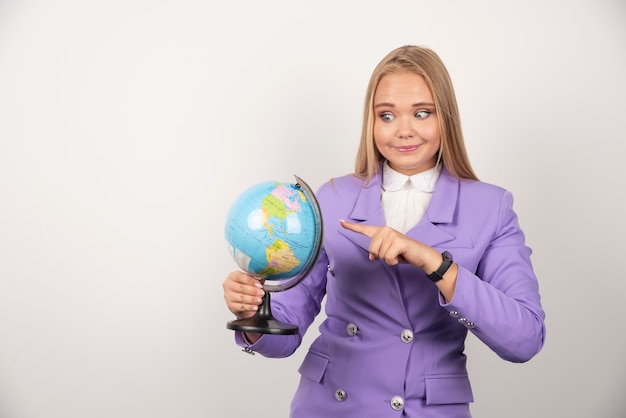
{"type": "Point", "coordinates": [448, 389]}
{"type": "Point", "coordinates": [314, 366]}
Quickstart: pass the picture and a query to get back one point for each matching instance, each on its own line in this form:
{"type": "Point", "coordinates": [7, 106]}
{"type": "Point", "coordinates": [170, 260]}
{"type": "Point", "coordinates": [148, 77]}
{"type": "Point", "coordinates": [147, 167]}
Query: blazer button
{"type": "Point", "coordinates": [397, 403]}
{"type": "Point", "coordinates": [462, 321]}
{"type": "Point", "coordinates": [352, 329]}
{"type": "Point", "coordinates": [406, 336]}
{"type": "Point", "coordinates": [470, 325]}
{"type": "Point", "coordinates": [340, 395]}
{"type": "Point", "coordinates": [454, 314]}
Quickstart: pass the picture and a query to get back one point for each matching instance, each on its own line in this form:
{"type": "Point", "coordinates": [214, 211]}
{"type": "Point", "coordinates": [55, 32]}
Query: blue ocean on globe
{"type": "Point", "coordinates": [272, 229]}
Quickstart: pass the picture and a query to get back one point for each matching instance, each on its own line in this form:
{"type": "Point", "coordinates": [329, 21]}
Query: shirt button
{"type": "Point", "coordinates": [340, 395]}
{"type": "Point", "coordinates": [406, 336]}
{"type": "Point", "coordinates": [397, 403]}
{"type": "Point", "coordinates": [454, 314]}
{"type": "Point", "coordinates": [352, 329]}
{"type": "Point", "coordinates": [462, 321]}
{"type": "Point", "coordinates": [470, 325]}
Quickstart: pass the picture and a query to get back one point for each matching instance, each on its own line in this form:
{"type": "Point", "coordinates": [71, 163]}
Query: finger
{"type": "Point", "coordinates": [239, 308]}
{"type": "Point", "coordinates": [387, 245]}
{"type": "Point", "coordinates": [242, 305]}
{"type": "Point", "coordinates": [244, 298]}
{"type": "Point", "coordinates": [394, 251]}
{"type": "Point", "coordinates": [243, 294]}
{"type": "Point", "coordinates": [390, 256]}
{"type": "Point", "coordinates": [367, 230]}
{"type": "Point", "coordinates": [240, 281]}
{"type": "Point", "coordinates": [244, 278]}
{"type": "Point", "coordinates": [389, 251]}
{"type": "Point", "coordinates": [236, 291]}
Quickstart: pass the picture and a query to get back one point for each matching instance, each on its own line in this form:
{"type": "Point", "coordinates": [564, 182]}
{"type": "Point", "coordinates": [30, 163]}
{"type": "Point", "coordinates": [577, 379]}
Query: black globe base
{"type": "Point", "coordinates": [263, 322]}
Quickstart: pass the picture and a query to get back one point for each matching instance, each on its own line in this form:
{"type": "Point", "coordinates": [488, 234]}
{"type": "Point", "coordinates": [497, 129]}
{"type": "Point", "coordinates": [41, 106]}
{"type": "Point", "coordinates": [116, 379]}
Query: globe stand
{"type": "Point", "coordinates": [263, 322]}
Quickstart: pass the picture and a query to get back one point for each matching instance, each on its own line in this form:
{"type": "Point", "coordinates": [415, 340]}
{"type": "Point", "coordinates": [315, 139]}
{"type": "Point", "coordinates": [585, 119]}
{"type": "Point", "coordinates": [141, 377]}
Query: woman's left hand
{"type": "Point", "coordinates": [394, 247]}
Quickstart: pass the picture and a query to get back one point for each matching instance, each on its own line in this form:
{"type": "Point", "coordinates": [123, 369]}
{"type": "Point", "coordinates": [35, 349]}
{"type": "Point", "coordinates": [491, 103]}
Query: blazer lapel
{"type": "Point", "coordinates": [445, 197]}
{"type": "Point", "coordinates": [440, 211]}
{"type": "Point", "coordinates": [368, 211]}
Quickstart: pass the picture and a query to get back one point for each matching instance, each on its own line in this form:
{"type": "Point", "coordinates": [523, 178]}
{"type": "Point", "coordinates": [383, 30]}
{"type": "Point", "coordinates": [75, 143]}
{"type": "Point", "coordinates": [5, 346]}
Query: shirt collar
{"type": "Point", "coordinates": [424, 181]}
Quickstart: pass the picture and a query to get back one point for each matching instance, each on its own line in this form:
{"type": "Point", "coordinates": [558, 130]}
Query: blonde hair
{"type": "Point", "coordinates": [426, 63]}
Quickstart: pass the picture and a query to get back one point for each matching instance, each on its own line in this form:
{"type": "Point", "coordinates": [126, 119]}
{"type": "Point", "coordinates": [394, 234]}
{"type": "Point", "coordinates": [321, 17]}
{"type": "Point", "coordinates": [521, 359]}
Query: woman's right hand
{"type": "Point", "coordinates": [243, 294]}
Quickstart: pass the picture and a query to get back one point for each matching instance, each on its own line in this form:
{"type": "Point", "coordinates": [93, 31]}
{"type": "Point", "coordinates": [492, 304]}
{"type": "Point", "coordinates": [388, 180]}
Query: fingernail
{"type": "Point", "coordinates": [259, 285]}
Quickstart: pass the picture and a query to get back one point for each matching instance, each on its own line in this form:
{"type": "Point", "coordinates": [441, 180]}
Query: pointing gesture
{"type": "Point", "coordinates": [392, 246]}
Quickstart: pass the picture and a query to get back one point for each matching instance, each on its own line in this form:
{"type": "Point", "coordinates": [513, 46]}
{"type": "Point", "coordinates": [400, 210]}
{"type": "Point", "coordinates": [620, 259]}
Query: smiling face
{"type": "Point", "coordinates": [406, 128]}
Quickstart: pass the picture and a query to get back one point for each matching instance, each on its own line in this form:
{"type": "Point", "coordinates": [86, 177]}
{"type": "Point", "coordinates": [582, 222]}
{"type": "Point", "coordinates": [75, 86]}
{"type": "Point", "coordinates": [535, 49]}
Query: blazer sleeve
{"type": "Point", "coordinates": [299, 306]}
{"type": "Point", "coordinates": [500, 304]}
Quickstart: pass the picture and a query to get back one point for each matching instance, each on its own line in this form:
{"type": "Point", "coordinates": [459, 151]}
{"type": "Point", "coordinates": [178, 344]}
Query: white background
{"type": "Point", "coordinates": [127, 127]}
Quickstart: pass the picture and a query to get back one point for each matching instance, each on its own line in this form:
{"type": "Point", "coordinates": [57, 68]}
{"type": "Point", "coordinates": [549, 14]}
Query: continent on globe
{"type": "Point", "coordinates": [274, 230]}
{"type": "Point", "coordinates": [282, 203]}
{"type": "Point", "coordinates": [280, 258]}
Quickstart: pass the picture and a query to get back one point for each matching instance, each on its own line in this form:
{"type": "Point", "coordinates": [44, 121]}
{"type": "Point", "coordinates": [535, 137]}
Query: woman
{"type": "Point", "coordinates": [416, 252]}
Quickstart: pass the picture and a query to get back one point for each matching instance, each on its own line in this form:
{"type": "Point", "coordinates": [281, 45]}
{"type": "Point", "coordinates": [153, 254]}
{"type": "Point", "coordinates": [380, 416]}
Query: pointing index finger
{"type": "Point", "coordinates": [366, 230]}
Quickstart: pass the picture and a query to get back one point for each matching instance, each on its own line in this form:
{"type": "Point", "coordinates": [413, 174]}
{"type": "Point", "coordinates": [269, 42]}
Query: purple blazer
{"type": "Point", "coordinates": [390, 345]}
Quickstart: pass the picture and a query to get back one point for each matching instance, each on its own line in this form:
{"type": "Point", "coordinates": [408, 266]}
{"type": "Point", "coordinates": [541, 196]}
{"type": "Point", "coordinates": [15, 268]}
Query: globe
{"type": "Point", "coordinates": [274, 232]}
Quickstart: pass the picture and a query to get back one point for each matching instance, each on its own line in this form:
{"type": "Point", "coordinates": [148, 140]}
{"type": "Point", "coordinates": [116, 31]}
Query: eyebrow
{"type": "Point", "coordinates": [387, 104]}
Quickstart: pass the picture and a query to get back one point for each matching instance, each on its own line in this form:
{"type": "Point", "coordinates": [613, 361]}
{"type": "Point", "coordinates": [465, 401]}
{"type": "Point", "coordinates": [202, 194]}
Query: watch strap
{"type": "Point", "coordinates": [437, 275]}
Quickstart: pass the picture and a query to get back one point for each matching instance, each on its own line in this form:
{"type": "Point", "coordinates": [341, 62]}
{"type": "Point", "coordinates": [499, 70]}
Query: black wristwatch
{"type": "Point", "coordinates": [437, 275]}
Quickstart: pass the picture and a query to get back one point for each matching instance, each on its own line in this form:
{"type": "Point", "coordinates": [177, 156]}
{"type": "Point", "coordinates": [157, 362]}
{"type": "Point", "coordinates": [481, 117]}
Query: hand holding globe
{"type": "Point", "coordinates": [274, 232]}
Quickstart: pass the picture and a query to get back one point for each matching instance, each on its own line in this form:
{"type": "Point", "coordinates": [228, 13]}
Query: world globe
{"type": "Point", "coordinates": [274, 232]}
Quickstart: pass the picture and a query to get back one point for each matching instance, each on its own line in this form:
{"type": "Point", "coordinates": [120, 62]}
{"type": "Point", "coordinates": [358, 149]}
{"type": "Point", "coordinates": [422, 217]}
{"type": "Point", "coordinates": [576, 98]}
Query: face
{"type": "Point", "coordinates": [406, 129]}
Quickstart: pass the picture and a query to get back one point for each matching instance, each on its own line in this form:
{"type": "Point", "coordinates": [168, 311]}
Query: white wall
{"type": "Point", "coordinates": [128, 126]}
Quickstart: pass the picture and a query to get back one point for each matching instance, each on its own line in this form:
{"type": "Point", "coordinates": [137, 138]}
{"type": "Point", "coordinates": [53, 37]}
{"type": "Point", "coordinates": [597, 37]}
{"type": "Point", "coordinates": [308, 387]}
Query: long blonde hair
{"type": "Point", "coordinates": [426, 63]}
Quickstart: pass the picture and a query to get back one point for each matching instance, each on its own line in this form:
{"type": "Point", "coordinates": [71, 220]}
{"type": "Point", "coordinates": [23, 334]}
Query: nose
{"type": "Point", "coordinates": [406, 129]}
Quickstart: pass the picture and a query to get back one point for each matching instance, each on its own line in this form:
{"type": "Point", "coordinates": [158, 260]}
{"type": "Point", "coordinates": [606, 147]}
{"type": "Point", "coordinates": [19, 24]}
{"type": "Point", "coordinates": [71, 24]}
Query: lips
{"type": "Point", "coordinates": [407, 148]}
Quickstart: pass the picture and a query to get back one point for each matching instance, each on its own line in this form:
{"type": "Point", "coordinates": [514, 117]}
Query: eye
{"type": "Point", "coordinates": [422, 114]}
{"type": "Point", "coordinates": [387, 117]}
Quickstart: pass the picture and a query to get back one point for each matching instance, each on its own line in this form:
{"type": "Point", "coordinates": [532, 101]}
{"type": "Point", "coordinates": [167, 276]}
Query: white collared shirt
{"type": "Point", "coordinates": [405, 198]}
